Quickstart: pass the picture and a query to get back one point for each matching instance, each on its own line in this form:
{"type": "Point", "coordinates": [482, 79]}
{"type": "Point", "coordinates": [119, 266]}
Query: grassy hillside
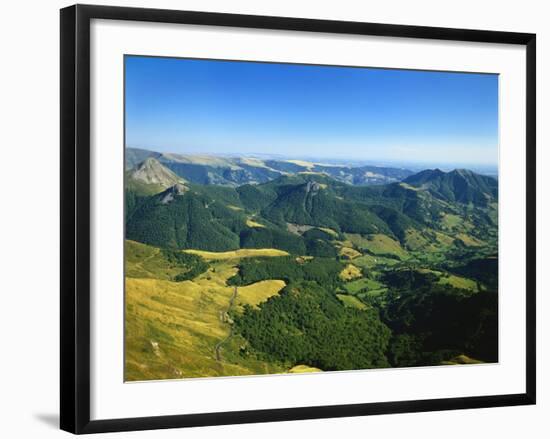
{"type": "Point", "coordinates": [302, 368]}
{"type": "Point", "coordinates": [172, 329]}
{"type": "Point", "coordinates": [378, 244]}
{"type": "Point", "coordinates": [238, 254]}
{"type": "Point", "coordinates": [460, 185]}
{"type": "Point", "coordinates": [351, 301]}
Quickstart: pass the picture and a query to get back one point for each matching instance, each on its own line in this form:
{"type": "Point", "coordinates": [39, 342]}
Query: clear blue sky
{"type": "Point", "coordinates": [190, 106]}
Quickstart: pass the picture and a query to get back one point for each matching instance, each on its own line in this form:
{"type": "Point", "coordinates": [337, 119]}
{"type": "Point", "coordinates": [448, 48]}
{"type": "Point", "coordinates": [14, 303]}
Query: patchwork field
{"type": "Point", "coordinates": [351, 301]}
{"type": "Point", "coordinates": [362, 284]}
{"type": "Point", "coordinates": [459, 282]}
{"type": "Point", "coordinates": [350, 272]}
{"type": "Point", "coordinates": [450, 221]}
{"type": "Point", "coordinates": [349, 253]}
{"type": "Point", "coordinates": [369, 261]}
{"type": "Point", "coordinates": [378, 244]}
{"type": "Point", "coordinates": [469, 240]}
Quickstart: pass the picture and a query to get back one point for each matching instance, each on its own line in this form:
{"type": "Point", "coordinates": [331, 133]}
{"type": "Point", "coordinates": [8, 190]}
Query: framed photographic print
{"type": "Point", "coordinates": [268, 218]}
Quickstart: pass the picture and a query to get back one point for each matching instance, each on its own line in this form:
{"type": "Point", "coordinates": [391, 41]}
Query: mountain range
{"type": "Point", "coordinates": [164, 209]}
{"type": "Point", "coordinates": [239, 266]}
{"type": "Point", "coordinates": [236, 171]}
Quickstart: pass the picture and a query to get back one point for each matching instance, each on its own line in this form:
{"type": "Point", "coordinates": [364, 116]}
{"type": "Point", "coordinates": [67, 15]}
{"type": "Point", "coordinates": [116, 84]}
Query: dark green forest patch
{"type": "Point", "coordinates": [323, 271]}
{"type": "Point", "coordinates": [305, 324]}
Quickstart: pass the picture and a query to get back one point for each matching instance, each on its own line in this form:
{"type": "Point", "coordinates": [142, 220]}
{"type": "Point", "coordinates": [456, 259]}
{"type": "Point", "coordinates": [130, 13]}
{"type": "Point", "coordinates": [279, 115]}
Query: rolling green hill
{"type": "Point", "coordinates": [179, 218]}
{"type": "Point", "coordinates": [460, 185]}
{"type": "Point", "coordinates": [192, 216]}
{"type": "Point", "coordinates": [305, 269]}
{"type": "Point", "coordinates": [314, 204]}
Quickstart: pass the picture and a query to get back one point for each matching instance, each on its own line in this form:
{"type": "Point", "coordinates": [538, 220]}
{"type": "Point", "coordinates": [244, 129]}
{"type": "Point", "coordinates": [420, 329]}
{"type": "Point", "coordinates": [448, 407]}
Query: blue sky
{"type": "Point", "coordinates": [225, 107]}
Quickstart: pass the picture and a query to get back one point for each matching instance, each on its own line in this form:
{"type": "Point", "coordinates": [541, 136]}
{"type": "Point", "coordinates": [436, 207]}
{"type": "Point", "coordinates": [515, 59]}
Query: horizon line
{"type": "Point", "coordinates": [383, 162]}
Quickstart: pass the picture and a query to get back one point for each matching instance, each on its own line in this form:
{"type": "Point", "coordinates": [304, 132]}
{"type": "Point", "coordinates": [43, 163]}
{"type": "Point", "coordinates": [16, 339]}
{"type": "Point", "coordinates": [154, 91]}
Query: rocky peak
{"type": "Point", "coordinates": [312, 187]}
{"type": "Point", "coordinates": [151, 171]}
{"type": "Point", "coordinates": [175, 191]}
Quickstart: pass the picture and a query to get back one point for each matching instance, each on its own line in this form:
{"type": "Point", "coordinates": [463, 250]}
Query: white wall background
{"type": "Point", "coordinates": [29, 248]}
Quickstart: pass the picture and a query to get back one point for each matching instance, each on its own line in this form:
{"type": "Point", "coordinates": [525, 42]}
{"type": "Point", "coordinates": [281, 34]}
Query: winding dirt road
{"type": "Point", "coordinates": [220, 343]}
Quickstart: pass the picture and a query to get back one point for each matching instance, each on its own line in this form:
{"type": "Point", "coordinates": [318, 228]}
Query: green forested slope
{"type": "Point", "coordinates": [402, 274]}
{"type": "Point", "coordinates": [306, 324]}
{"type": "Point", "coordinates": [185, 220]}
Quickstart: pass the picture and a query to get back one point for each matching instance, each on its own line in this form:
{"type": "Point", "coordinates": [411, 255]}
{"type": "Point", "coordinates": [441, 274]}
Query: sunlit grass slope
{"type": "Point", "coordinates": [378, 244]}
{"type": "Point", "coordinates": [236, 254]}
{"type": "Point", "coordinates": [351, 301]}
{"type": "Point", "coordinates": [302, 368]}
{"type": "Point", "coordinates": [173, 328]}
{"type": "Point", "coordinates": [258, 292]}
{"type": "Point", "coordinates": [350, 272]}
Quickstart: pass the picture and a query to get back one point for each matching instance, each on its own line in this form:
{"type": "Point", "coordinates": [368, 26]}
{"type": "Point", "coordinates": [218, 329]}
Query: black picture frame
{"type": "Point", "coordinates": [75, 217]}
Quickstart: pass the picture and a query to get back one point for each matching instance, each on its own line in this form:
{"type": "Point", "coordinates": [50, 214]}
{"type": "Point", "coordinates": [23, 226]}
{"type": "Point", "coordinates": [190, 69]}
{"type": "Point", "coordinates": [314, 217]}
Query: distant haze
{"type": "Point", "coordinates": [400, 117]}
